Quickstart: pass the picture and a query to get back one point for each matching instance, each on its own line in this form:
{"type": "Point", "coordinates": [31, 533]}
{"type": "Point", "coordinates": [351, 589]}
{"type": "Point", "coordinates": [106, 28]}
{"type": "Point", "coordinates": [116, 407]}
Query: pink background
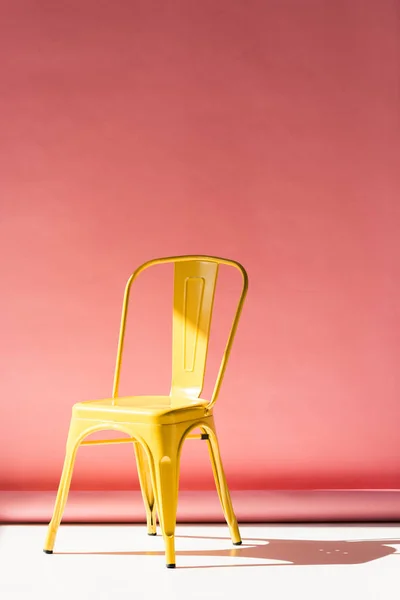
{"type": "Point", "coordinates": [265, 131]}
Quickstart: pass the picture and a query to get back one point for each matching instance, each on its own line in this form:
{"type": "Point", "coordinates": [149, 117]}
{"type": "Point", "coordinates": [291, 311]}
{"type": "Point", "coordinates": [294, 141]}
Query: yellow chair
{"type": "Point", "coordinates": [158, 425]}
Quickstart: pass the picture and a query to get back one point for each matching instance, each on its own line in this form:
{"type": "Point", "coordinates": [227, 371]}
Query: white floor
{"type": "Point", "coordinates": [275, 561]}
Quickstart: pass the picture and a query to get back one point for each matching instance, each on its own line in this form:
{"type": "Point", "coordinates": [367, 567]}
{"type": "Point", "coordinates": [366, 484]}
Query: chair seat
{"type": "Point", "coordinates": [160, 410]}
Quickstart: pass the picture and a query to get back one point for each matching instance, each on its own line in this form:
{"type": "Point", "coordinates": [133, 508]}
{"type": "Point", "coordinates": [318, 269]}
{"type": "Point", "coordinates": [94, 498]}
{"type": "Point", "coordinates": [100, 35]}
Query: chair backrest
{"type": "Point", "coordinates": [195, 279]}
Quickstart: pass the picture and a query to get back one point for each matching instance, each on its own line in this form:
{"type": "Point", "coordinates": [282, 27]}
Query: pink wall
{"type": "Point", "coordinates": [266, 131]}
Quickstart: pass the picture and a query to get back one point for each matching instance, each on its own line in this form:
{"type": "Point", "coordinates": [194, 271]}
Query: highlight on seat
{"type": "Point", "coordinates": [157, 426]}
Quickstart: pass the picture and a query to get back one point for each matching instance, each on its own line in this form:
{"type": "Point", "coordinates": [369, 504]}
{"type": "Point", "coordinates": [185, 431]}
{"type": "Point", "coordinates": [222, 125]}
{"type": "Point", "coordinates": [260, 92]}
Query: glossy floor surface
{"type": "Point", "coordinates": [275, 561]}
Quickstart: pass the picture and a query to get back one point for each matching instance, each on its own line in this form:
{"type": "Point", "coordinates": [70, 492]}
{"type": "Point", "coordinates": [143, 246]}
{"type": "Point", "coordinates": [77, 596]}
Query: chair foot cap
{"type": "Point", "coordinates": [237, 543]}
{"type": "Point", "coordinates": [151, 534]}
{"type": "Point", "coordinates": [171, 566]}
{"type": "Point", "coordinates": [48, 551]}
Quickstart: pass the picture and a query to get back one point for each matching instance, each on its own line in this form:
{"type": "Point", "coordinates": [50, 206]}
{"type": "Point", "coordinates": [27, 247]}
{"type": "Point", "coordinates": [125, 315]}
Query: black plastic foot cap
{"type": "Point", "coordinates": [151, 534]}
{"type": "Point", "coordinates": [171, 566]}
{"type": "Point", "coordinates": [48, 551]}
{"type": "Point", "coordinates": [237, 543]}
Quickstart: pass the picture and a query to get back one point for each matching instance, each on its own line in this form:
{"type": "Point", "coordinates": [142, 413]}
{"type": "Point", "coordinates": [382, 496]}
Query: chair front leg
{"type": "Point", "coordinates": [74, 434]}
{"type": "Point", "coordinates": [164, 445]}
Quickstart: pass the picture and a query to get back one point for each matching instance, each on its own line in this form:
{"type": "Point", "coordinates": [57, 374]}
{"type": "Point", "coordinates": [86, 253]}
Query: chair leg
{"type": "Point", "coordinates": [164, 448]}
{"type": "Point", "coordinates": [146, 488]}
{"type": "Point", "coordinates": [63, 488]}
{"type": "Point", "coordinates": [222, 487]}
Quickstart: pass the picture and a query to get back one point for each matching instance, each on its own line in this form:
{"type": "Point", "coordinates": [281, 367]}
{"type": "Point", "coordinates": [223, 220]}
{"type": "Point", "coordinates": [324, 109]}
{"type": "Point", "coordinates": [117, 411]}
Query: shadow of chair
{"type": "Point", "coordinates": [287, 552]}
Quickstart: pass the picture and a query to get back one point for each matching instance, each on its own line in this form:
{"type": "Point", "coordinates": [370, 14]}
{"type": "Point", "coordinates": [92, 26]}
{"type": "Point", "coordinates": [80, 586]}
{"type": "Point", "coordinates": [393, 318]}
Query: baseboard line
{"type": "Point", "coordinates": [251, 506]}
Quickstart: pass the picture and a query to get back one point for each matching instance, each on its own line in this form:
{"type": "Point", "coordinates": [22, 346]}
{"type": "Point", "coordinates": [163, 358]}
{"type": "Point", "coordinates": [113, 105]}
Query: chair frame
{"type": "Point", "coordinates": [157, 454]}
